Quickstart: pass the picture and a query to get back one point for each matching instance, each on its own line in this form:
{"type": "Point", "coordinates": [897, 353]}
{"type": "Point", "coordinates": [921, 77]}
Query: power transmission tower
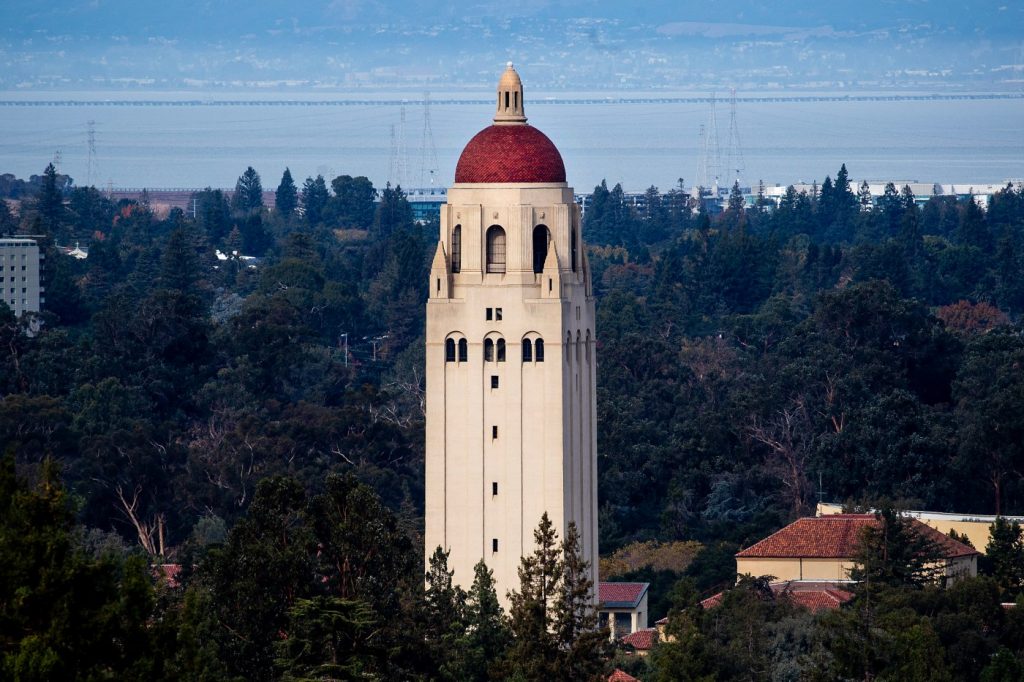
{"type": "Point", "coordinates": [712, 151]}
{"type": "Point", "coordinates": [428, 152]}
{"type": "Point", "coordinates": [91, 141]}
{"type": "Point", "coordinates": [403, 151]}
{"type": "Point", "coordinates": [734, 158]}
{"type": "Point", "coordinates": [58, 158]}
{"type": "Point", "coordinates": [393, 162]}
{"type": "Point", "coordinates": [702, 169]}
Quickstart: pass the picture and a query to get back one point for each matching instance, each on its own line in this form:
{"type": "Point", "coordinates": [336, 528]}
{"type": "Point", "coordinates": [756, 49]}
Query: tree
{"type": "Point", "coordinates": [581, 644]}
{"type": "Point", "coordinates": [353, 202]}
{"type": "Point", "coordinates": [287, 197]}
{"type": "Point", "coordinates": [1004, 556]}
{"type": "Point", "coordinates": [314, 199]}
{"type": "Point", "coordinates": [534, 651]}
{"type": "Point", "coordinates": [50, 204]}
{"type": "Point", "coordinates": [8, 225]}
{"type": "Point", "coordinates": [444, 613]}
{"type": "Point", "coordinates": [393, 212]}
{"type": "Point", "coordinates": [179, 267]}
{"type": "Point", "coordinates": [487, 636]}
{"type": "Point", "coordinates": [248, 197]}
{"type": "Point", "coordinates": [894, 552]}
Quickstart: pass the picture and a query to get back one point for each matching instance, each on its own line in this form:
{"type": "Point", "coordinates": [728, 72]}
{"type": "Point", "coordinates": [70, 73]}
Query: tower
{"type": "Point", "coordinates": [510, 357]}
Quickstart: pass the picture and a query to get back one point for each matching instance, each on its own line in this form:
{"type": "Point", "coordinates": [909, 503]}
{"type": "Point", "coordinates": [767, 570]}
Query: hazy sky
{"type": "Point", "coordinates": [572, 43]}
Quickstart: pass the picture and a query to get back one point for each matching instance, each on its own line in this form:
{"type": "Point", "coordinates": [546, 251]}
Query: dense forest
{"type": "Point", "coordinates": [239, 393]}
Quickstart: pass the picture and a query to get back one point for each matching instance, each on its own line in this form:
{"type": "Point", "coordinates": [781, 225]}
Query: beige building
{"type": "Point", "coordinates": [20, 285]}
{"type": "Point", "coordinates": [510, 355]}
{"type": "Point", "coordinates": [823, 549]}
{"type": "Point", "coordinates": [974, 527]}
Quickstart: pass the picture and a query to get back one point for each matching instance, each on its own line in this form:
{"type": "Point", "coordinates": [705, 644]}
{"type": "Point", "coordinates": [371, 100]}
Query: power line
{"type": "Point", "coordinates": [91, 141]}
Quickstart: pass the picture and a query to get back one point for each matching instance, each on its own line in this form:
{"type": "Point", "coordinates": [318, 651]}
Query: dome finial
{"type": "Point", "coordinates": [510, 99]}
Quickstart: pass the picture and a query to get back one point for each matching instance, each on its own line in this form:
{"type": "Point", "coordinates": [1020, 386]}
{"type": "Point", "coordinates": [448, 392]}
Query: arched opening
{"type": "Point", "coordinates": [527, 350]}
{"type": "Point", "coordinates": [496, 249]}
{"type": "Point", "coordinates": [540, 247]}
{"type": "Point", "coordinates": [539, 350]}
{"type": "Point", "coordinates": [568, 348]}
{"type": "Point", "coordinates": [463, 350]}
{"type": "Point", "coordinates": [457, 249]}
{"type": "Point", "coordinates": [501, 350]}
{"type": "Point", "coordinates": [572, 247]}
{"type": "Point", "coordinates": [587, 346]}
{"type": "Point", "coordinates": [449, 350]}
{"type": "Point", "coordinates": [488, 350]}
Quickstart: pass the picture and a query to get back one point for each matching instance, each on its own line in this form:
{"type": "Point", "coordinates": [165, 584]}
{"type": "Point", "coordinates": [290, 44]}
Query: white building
{"type": "Point", "coordinates": [510, 360]}
{"type": "Point", "coordinates": [20, 285]}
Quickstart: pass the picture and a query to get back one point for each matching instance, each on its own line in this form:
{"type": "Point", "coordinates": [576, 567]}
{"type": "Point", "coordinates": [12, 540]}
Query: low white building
{"type": "Point", "coordinates": [20, 281]}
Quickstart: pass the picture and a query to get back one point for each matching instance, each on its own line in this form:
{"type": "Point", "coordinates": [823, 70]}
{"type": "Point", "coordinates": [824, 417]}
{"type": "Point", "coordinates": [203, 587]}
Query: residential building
{"type": "Point", "coordinates": [510, 364]}
{"type": "Point", "coordinates": [20, 275]}
{"type": "Point", "coordinates": [623, 607]}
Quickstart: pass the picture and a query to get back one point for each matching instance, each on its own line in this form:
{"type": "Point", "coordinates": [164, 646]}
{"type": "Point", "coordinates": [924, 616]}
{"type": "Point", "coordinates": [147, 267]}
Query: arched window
{"type": "Point", "coordinates": [496, 249]}
{"type": "Point", "coordinates": [588, 346]}
{"type": "Point", "coordinates": [539, 350]}
{"type": "Point", "coordinates": [540, 247]}
{"type": "Point", "coordinates": [527, 350]}
{"type": "Point", "coordinates": [463, 350]}
{"type": "Point", "coordinates": [568, 348]}
{"type": "Point", "coordinates": [488, 350]}
{"type": "Point", "coordinates": [449, 350]}
{"type": "Point", "coordinates": [572, 247]}
{"type": "Point", "coordinates": [501, 350]}
{"type": "Point", "coordinates": [457, 249]}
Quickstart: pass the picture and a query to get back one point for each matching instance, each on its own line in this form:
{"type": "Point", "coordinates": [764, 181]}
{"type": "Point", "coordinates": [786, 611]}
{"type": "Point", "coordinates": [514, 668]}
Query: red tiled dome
{"type": "Point", "coordinates": [510, 153]}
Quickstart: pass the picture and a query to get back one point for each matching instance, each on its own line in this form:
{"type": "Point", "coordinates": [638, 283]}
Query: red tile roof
{"type": "Point", "coordinates": [836, 537]}
{"type": "Point", "coordinates": [609, 593]}
{"type": "Point", "coordinates": [510, 153]}
{"type": "Point", "coordinates": [641, 640]}
{"type": "Point", "coordinates": [619, 676]}
{"type": "Point", "coordinates": [813, 596]}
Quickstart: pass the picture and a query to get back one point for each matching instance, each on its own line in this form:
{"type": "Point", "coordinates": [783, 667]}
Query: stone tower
{"type": "Point", "coordinates": [510, 354]}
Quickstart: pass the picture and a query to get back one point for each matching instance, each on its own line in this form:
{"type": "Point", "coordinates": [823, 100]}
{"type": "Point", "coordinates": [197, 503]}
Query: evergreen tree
{"type": "Point", "coordinates": [1004, 556]}
{"type": "Point", "coordinates": [892, 552]}
{"type": "Point", "coordinates": [444, 612]}
{"type": "Point", "coordinates": [393, 212]}
{"type": "Point", "coordinates": [248, 196]}
{"type": "Point", "coordinates": [314, 199]}
{"type": "Point", "coordinates": [864, 196]}
{"type": "Point", "coordinates": [179, 267]}
{"type": "Point", "coordinates": [50, 204]}
{"type": "Point", "coordinates": [581, 644]}
{"type": "Point", "coordinates": [487, 636]}
{"type": "Point", "coordinates": [534, 651]}
{"type": "Point", "coordinates": [353, 202]}
{"type": "Point", "coordinates": [8, 225]}
{"type": "Point", "coordinates": [287, 197]}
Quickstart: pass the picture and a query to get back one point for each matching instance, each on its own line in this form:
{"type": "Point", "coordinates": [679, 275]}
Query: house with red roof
{"type": "Point", "coordinates": [822, 548]}
{"type": "Point", "coordinates": [620, 676]}
{"type": "Point", "coordinates": [811, 595]}
{"type": "Point", "coordinates": [623, 607]}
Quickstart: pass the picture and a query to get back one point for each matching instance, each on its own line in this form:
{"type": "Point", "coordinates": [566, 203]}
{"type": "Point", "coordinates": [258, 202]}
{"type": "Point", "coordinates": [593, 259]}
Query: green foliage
{"type": "Point", "coordinates": [1004, 557]}
{"type": "Point", "coordinates": [894, 552]}
{"type": "Point", "coordinates": [287, 197]}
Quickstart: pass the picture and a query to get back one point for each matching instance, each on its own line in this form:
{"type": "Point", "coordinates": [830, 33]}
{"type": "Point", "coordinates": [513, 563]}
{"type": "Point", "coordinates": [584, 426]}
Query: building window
{"type": "Point", "coordinates": [494, 488]}
{"type": "Point", "coordinates": [489, 314]}
{"type": "Point", "coordinates": [539, 350]}
{"type": "Point", "coordinates": [463, 350]}
{"type": "Point", "coordinates": [501, 350]}
{"type": "Point", "coordinates": [457, 249]}
{"type": "Point", "coordinates": [494, 545]}
{"type": "Point", "coordinates": [497, 314]}
{"type": "Point", "coordinates": [496, 250]}
{"type": "Point", "coordinates": [494, 377]}
{"type": "Point", "coordinates": [449, 350]}
{"type": "Point", "coordinates": [494, 431]}
{"type": "Point", "coordinates": [488, 350]}
{"type": "Point", "coordinates": [572, 248]}
{"type": "Point", "coordinates": [540, 247]}
{"type": "Point", "coordinates": [527, 350]}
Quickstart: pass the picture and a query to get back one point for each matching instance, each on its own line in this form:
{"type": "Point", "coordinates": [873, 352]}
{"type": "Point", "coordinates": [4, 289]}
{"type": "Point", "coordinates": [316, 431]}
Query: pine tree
{"type": "Point", "coordinates": [8, 225]}
{"type": "Point", "coordinates": [487, 633]}
{"type": "Point", "coordinates": [1005, 556]}
{"type": "Point", "coordinates": [50, 203]}
{"type": "Point", "coordinates": [179, 267]}
{"type": "Point", "coordinates": [248, 196]}
{"type": "Point", "coordinates": [444, 610]}
{"type": "Point", "coordinates": [533, 654]}
{"type": "Point", "coordinates": [287, 197]}
{"type": "Point", "coordinates": [864, 196]}
{"type": "Point", "coordinates": [893, 552]}
{"type": "Point", "coordinates": [314, 199]}
{"type": "Point", "coordinates": [581, 644]}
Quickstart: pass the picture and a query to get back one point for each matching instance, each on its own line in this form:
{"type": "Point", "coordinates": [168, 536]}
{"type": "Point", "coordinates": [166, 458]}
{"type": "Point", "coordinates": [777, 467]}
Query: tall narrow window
{"type": "Point", "coordinates": [540, 247]}
{"type": "Point", "coordinates": [494, 432]}
{"type": "Point", "coordinates": [501, 350]}
{"type": "Point", "coordinates": [527, 350]}
{"type": "Point", "coordinates": [449, 350]}
{"type": "Point", "coordinates": [494, 381]}
{"type": "Point", "coordinates": [457, 249]}
{"type": "Point", "coordinates": [494, 545]}
{"type": "Point", "coordinates": [572, 247]}
{"type": "Point", "coordinates": [488, 350]}
{"type": "Point", "coordinates": [463, 350]}
{"type": "Point", "coordinates": [496, 249]}
{"type": "Point", "coordinates": [494, 487]}
{"type": "Point", "coordinates": [539, 350]}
